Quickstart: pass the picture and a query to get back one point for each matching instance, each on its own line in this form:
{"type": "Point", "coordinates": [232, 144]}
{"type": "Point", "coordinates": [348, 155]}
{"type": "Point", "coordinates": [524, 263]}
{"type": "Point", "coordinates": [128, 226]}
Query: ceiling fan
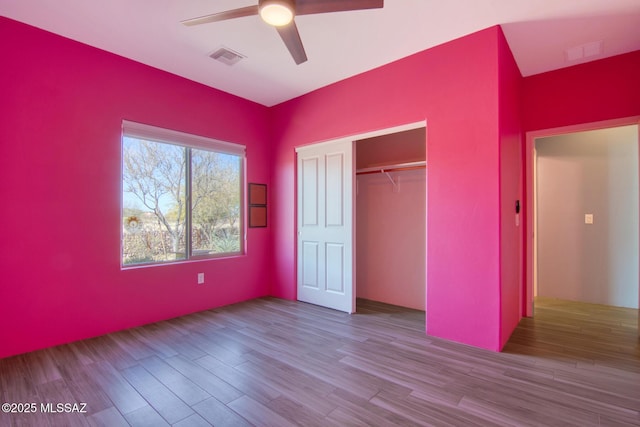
{"type": "Point", "coordinates": [281, 13]}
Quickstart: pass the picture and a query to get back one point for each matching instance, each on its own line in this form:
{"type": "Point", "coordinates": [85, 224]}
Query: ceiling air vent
{"type": "Point", "coordinates": [227, 56]}
{"type": "Point", "coordinates": [586, 50]}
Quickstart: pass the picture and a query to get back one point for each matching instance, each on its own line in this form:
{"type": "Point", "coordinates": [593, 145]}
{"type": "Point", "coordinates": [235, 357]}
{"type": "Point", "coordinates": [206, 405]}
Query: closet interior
{"type": "Point", "coordinates": [391, 218]}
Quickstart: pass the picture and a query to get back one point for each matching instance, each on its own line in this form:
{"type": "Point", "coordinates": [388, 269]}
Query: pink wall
{"type": "Point", "coordinates": [595, 91]}
{"type": "Point", "coordinates": [511, 189]}
{"type": "Point", "coordinates": [454, 87]}
{"type": "Point", "coordinates": [62, 104]}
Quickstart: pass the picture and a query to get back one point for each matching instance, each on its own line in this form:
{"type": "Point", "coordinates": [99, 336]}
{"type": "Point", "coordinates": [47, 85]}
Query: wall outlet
{"type": "Point", "coordinates": [200, 278]}
{"type": "Point", "coordinates": [588, 218]}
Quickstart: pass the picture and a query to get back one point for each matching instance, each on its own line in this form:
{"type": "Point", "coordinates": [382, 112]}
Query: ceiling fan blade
{"type": "Point", "coordinates": [291, 38]}
{"type": "Point", "coordinates": [222, 16]}
{"type": "Point", "coordinates": [309, 7]}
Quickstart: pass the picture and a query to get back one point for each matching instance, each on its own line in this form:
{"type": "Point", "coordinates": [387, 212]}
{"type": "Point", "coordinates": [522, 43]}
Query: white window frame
{"type": "Point", "coordinates": [176, 138]}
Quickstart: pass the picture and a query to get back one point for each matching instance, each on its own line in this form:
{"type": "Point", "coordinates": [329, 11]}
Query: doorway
{"type": "Point", "coordinates": [391, 219]}
{"type": "Point", "coordinates": [332, 283]}
{"type": "Point", "coordinates": [583, 224]}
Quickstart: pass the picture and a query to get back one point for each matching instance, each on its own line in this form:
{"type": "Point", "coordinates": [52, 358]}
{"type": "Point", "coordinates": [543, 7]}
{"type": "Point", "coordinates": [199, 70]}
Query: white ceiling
{"type": "Point", "coordinates": [338, 45]}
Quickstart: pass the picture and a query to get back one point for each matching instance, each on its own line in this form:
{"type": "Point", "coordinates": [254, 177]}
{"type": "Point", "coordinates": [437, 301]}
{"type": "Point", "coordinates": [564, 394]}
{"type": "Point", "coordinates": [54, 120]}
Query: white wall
{"type": "Point", "coordinates": [592, 172]}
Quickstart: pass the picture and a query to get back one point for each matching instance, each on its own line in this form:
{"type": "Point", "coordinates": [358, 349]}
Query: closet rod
{"type": "Point", "coordinates": [392, 168]}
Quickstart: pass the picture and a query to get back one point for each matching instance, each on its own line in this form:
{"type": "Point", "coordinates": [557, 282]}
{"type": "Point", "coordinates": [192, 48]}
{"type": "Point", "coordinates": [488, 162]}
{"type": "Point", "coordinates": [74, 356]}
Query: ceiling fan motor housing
{"type": "Point", "coordinates": [277, 12]}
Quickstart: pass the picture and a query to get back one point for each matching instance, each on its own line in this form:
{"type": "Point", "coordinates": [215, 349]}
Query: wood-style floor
{"type": "Point", "coordinates": [270, 362]}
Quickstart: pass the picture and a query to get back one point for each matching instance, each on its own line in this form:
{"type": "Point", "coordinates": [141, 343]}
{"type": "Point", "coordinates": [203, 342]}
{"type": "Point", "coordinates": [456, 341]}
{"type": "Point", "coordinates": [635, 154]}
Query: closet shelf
{"type": "Point", "coordinates": [392, 168]}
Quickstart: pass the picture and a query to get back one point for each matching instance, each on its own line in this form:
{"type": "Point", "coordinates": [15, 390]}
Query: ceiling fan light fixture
{"type": "Point", "coordinates": [276, 12]}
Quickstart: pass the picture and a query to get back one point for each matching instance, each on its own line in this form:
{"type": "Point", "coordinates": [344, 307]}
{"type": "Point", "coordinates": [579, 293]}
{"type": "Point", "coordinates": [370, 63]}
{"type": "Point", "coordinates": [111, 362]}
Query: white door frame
{"type": "Point", "coordinates": [353, 138]}
{"type": "Point", "coordinates": [530, 238]}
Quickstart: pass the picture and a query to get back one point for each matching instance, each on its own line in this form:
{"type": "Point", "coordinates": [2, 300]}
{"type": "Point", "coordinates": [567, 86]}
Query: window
{"type": "Point", "coordinates": [181, 196]}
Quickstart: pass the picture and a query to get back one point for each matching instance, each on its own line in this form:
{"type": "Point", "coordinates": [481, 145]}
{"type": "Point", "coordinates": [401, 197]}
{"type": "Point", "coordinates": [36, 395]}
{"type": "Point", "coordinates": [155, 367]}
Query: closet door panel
{"type": "Point", "coordinates": [325, 225]}
{"type": "Point", "coordinates": [334, 263]}
{"type": "Point", "coordinates": [309, 183]}
{"type": "Point", "coordinates": [335, 190]}
{"type": "Point", "coordinates": [310, 264]}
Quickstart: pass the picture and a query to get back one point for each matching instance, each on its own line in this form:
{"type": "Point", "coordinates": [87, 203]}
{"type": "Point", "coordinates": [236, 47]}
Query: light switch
{"type": "Point", "coordinates": [588, 218]}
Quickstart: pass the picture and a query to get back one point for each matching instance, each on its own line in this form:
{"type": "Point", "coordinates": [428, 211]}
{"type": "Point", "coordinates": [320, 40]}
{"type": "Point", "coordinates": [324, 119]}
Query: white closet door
{"type": "Point", "coordinates": [325, 225]}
